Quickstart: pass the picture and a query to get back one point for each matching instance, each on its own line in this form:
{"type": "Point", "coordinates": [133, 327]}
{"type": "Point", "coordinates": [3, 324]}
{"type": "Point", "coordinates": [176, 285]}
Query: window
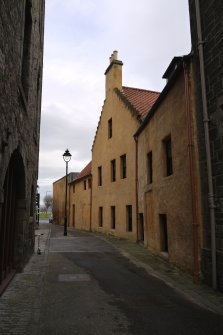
{"type": "Point", "coordinates": [163, 233]}
{"type": "Point", "coordinates": [109, 128]}
{"type": "Point", "coordinates": [129, 217]}
{"type": "Point", "coordinates": [99, 176]}
{"type": "Point", "coordinates": [168, 153]}
{"type": "Point", "coordinates": [141, 227]}
{"type": "Point", "coordinates": [85, 184]}
{"type": "Point", "coordinates": [112, 217]}
{"type": "Point", "coordinates": [123, 166]}
{"type": "Point", "coordinates": [73, 188]}
{"type": "Point", "coordinates": [100, 216]}
{"type": "Point", "coordinates": [113, 170]}
{"type": "Point", "coordinates": [73, 216]}
{"type": "Point", "coordinates": [149, 168]}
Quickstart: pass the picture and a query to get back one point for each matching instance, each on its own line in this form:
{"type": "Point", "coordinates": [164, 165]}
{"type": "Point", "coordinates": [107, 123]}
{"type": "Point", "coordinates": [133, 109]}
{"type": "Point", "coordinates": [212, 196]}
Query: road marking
{"type": "Point", "coordinates": [73, 277]}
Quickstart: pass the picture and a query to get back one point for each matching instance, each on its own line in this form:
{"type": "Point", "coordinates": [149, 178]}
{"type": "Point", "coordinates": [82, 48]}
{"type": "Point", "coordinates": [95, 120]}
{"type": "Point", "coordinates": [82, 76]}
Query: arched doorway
{"type": "Point", "coordinates": [14, 190]}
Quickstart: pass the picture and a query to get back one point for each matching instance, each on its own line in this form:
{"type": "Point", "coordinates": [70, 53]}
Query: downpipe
{"type": "Point", "coordinates": [207, 146]}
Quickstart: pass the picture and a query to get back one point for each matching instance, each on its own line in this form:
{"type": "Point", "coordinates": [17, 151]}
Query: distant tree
{"type": "Point", "coordinates": [48, 200]}
{"type": "Point", "coordinates": [42, 209]}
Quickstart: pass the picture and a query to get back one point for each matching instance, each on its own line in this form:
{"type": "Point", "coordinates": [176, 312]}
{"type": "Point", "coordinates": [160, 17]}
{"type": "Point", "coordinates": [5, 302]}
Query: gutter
{"type": "Point", "coordinates": [207, 146]}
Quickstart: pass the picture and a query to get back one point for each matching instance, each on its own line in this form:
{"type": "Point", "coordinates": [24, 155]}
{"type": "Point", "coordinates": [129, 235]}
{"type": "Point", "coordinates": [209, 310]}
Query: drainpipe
{"type": "Point", "coordinates": [136, 188]}
{"type": "Point", "coordinates": [207, 146]}
{"type": "Point", "coordinates": [90, 229]}
{"type": "Point", "coordinates": [193, 178]}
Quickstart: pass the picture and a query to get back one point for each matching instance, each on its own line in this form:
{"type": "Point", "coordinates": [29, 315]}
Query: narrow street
{"type": "Point", "coordinates": [84, 285]}
{"type": "Point", "coordinates": [91, 289]}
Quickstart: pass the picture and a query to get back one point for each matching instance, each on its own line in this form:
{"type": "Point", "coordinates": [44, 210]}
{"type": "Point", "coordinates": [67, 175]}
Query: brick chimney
{"type": "Point", "coordinates": [113, 73]}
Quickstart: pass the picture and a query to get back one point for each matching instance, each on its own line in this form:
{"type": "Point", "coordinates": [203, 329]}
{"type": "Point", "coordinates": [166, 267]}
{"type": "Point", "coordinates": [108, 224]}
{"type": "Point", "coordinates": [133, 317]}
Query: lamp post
{"type": "Point", "coordinates": [66, 158]}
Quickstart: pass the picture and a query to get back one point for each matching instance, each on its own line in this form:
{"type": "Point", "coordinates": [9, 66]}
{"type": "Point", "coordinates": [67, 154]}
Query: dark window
{"type": "Point", "coordinates": [168, 153]}
{"type": "Point", "coordinates": [100, 216]}
{"type": "Point", "coordinates": [141, 227]}
{"type": "Point", "coordinates": [112, 217]}
{"type": "Point", "coordinates": [99, 176]}
{"type": "Point", "coordinates": [113, 170]}
{"type": "Point", "coordinates": [109, 128]}
{"type": "Point", "coordinates": [163, 233]}
{"type": "Point", "coordinates": [149, 168]}
{"type": "Point", "coordinates": [73, 215]}
{"type": "Point", "coordinates": [85, 184]}
{"type": "Point", "coordinates": [123, 166]}
{"type": "Point", "coordinates": [129, 217]}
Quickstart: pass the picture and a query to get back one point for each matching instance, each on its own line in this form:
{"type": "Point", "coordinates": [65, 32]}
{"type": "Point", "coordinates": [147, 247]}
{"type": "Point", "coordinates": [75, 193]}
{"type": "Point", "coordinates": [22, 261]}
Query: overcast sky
{"type": "Point", "coordinates": [80, 36]}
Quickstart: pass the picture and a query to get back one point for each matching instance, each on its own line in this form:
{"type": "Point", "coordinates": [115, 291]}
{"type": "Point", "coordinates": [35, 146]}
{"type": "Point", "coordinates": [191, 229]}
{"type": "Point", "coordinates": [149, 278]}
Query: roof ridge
{"type": "Point", "coordinates": [141, 89]}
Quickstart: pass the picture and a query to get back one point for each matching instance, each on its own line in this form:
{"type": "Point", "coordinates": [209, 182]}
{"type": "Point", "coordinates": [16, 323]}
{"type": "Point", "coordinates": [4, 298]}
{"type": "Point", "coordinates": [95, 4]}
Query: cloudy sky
{"type": "Point", "coordinates": [80, 36]}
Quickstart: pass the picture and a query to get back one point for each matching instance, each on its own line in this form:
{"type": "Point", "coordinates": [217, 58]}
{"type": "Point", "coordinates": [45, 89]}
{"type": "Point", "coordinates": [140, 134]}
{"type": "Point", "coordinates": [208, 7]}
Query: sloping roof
{"type": "Point", "coordinates": [138, 101]}
{"type": "Point", "coordinates": [172, 72]}
{"type": "Point", "coordinates": [85, 172]}
{"type": "Point", "coordinates": [142, 100]}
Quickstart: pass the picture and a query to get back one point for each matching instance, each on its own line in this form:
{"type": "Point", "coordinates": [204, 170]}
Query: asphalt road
{"type": "Point", "coordinates": [90, 289]}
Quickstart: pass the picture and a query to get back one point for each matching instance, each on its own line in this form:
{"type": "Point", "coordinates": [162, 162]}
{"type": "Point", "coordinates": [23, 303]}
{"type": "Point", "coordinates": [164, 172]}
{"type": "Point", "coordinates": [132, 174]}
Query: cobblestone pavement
{"type": "Point", "coordinates": [20, 304]}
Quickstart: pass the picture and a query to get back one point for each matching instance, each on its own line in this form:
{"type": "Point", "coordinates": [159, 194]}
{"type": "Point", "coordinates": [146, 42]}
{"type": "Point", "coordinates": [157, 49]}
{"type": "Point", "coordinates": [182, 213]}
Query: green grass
{"type": "Point", "coordinates": [44, 215]}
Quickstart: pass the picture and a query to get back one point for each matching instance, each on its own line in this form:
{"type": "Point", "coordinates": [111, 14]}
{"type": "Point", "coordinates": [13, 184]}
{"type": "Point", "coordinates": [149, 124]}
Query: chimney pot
{"type": "Point", "coordinates": [115, 55]}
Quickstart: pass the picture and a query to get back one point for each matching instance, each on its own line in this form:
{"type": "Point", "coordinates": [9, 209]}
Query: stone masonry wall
{"type": "Point", "coordinates": [212, 33]}
{"type": "Point", "coordinates": [21, 53]}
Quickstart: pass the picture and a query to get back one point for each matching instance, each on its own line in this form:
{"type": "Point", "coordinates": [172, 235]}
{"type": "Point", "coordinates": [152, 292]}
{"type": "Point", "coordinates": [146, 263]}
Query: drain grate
{"type": "Point", "coordinates": [73, 277]}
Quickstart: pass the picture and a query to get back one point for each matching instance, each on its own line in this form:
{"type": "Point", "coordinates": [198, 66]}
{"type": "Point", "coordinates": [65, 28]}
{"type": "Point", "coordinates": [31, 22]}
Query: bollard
{"type": "Point", "coordinates": [38, 248]}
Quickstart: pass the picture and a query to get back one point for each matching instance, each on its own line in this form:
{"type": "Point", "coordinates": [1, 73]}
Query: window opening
{"type": "Point", "coordinates": [163, 233]}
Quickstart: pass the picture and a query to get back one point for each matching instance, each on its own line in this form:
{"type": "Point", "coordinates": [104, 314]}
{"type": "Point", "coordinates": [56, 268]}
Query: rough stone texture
{"type": "Point", "coordinates": [20, 304]}
{"type": "Point", "coordinates": [212, 33]}
{"type": "Point", "coordinates": [20, 105]}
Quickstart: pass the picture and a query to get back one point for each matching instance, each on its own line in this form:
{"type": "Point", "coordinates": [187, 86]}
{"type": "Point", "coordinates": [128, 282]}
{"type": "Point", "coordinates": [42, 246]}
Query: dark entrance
{"type": "Point", "coordinates": [141, 227]}
{"type": "Point", "coordinates": [14, 187]}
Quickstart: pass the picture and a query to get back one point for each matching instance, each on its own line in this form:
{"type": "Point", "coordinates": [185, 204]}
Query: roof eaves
{"type": "Point", "coordinates": [64, 177]}
{"type": "Point", "coordinates": [82, 178]}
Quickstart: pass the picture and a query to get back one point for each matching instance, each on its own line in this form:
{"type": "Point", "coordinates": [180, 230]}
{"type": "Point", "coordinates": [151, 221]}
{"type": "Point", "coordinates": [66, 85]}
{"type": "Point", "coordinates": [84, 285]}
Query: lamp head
{"type": "Point", "coordinates": [67, 156]}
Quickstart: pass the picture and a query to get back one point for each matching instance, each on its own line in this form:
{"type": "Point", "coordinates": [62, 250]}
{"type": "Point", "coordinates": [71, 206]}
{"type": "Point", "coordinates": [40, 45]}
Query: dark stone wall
{"type": "Point", "coordinates": [212, 33]}
{"type": "Point", "coordinates": [21, 54]}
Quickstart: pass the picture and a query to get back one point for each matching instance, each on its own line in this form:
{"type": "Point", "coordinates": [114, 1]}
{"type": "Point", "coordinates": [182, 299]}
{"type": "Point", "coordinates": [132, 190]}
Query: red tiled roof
{"type": "Point", "coordinates": [141, 99]}
{"type": "Point", "coordinates": [85, 172]}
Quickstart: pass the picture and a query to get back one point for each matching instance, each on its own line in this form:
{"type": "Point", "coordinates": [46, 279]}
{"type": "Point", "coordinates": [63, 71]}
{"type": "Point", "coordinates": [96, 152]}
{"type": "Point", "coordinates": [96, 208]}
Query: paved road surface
{"type": "Point", "coordinates": [91, 289]}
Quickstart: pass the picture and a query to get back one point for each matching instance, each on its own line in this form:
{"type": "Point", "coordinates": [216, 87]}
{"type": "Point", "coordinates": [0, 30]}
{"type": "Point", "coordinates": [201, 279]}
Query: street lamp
{"type": "Point", "coordinates": [66, 158]}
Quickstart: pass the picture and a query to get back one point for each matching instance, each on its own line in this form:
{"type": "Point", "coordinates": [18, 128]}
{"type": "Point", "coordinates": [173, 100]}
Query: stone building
{"type": "Point", "coordinates": [21, 54]}
{"type": "Point", "coordinates": [207, 46]}
{"type": "Point", "coordinates": [80, 200]}
{"type": "Point", "coordinates": [59, 189]}
{"type": "Point", "coordinates": [168, 174]}
{"type": "Point", "coordinates": [114, 155]}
